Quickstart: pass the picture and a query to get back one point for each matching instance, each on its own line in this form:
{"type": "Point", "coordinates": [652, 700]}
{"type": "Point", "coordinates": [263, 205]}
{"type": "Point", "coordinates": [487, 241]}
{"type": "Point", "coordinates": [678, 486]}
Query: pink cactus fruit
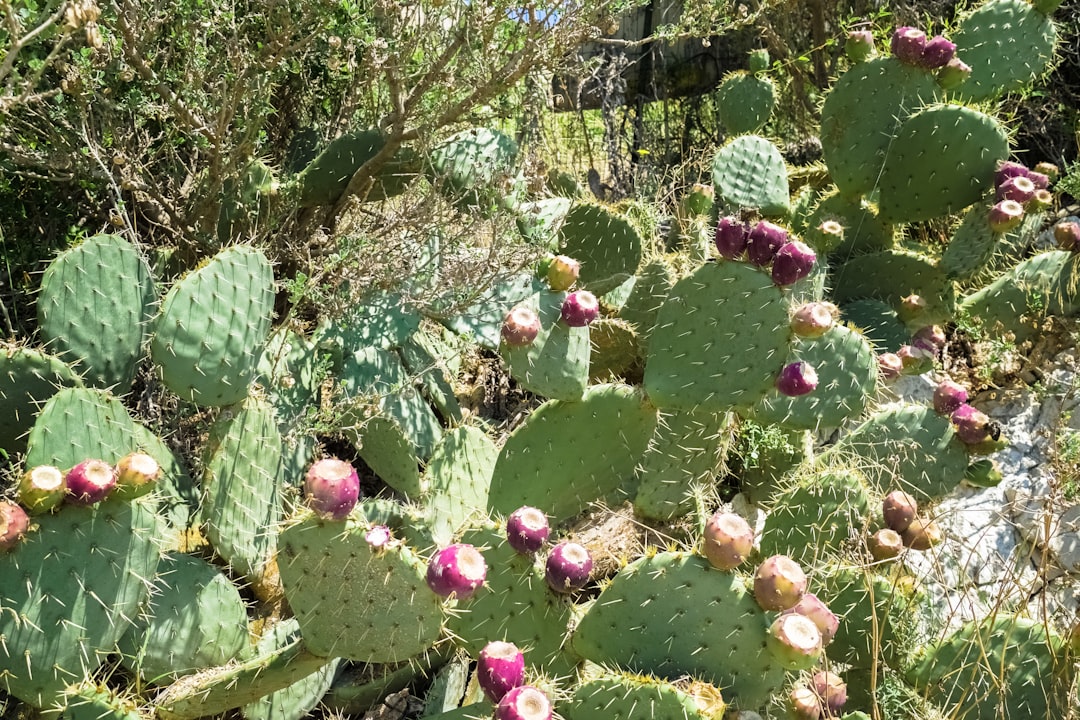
{"type": "Point", "coordinates": [1009, 169]}
{"type": "Point", "coordinates": [954, 74]}
{"type": "Point", "coordinates": [814, 319]}
{"type": "Point", "coordinates": [930, 338]}
{"type": "Point", "coordinates": [136, 475]}
{"type": "Point", "coordinates": [890, 365]}
{"type": "Point", "coordinates": [973, 426]}
{"type": "Point", "coordinates": [580, 308]}
{"type": "Point", "coordinates": [1019, 189]}
{"type": "Point", "coordinates": [937, 53]}
{"type": "Point", "coordinates": [457, 571]}
{"type": "Point", "coordinates": [764, 241]}
{"type": "Point", "coordinates": [948, 396]}
{"type": "Point", "coordinates": [562, 273]}
{"type": "Point", "coordinates": [14, 522]}
{"type": "Point", "coordinates": [1040, 180]}
{"type": "Point", "coordinates": [859, 45]}
{"type": "Point", "coordinates": [831, 690]}
{"type": "Point", "coordinates": [1067, 236]}
{"type": "Point", "coordinates": [1005, 216]}
{"type": "Point", "coordinates": [779, 583]}
{"type": "Point", "coordinates": [922, 534]}
{"type": "Point", "coordinates": [332, 488]}
{"type": "Point", "coordinates": [795, 641]}
{"type": "Point", "coordinates": [797, 379]}
{"type": "Point", "coordinates": [915, 360]}
{"type": "Point", "coordinates": [885, 544]}
{"type": "Point", "coordinates": [524, 702]}
{"type": "Point", "coordinates": [804, 703]}
{"type": "Point", "coordinates": [568, 567]}
{"type": "Point", "coordinates": [527, 530]}
{"type": "Point", "coordinates": [794, 261]}
{"type": "Point", "coordinates": [810, 606]}
{"type": "Point", "coordinates": [520, 327]}
{"type": "Point", "coordinates": [728, 540]}
{"type": "Point", "coordinates": [731, 237]}
{"type": "Point", "coordinates": [500, 669]}
{"type": "Point", "coordinates": [907, 45]}
{"type": "Point", "coordinates": [41, 489]}
{"type": "Point", "coordinates": [899, 509]}
{"type": "Point", "coordinates": [90, 482]}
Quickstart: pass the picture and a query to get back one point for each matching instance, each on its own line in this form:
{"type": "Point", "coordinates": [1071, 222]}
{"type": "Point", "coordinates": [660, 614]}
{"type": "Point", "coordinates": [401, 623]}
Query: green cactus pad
{"type": "Point", "coordinates": [28, 378]}
{"type": "Point", "coordinates": [672, 615]}
{"type": "Point", "coordinates": [299, 698]}
{"type": "Point", "coordinates": [355, 601]}
{"type": "Point", "coordinates": [641, 697]}
{"type": "Point", "coordinates": [71, 590]}
{"type": "Point", "coordinates": [569, 454]}
{"type": "Point", "coordinates": [720, 341]}
{"type": "Point", "coordinates": [78, 424]}
{"type": "Point", "coordinates": [864, 231]}
{"type": "Point", "coordinates": [384, 446]}
{"type": "Point", "coordinates": [847, 378]}
{"type": "Point", "coordinates": [196, 620]}
{"type": "Point", "coordinates": [482, 319]}
{"type": "Point", "coordinates": [241, 498]}
{"type": "Point", "coordinates": [212, 327]}
{"type": "Point", "coordinates": [974, 248]}
{"type": "Point", "coordinates": [943, 160]}
{"type": "Point", "coordinates": [878, 323]}
{"type": "Point", "coordinates": [744, 102]}
{"type": "Point", "coordinates": [651, 287]}
{"type": "Point", "coordinates": [1007, 43]}
{"type": "Point", "coordinates": [434, 362]}
{"type": "Point", "coordinates": [614, 351]}
{"type": "Point", "coordinates": [539, 221]}
{"type": "Point", "coordinates": [862, 114]}
{"type": "Point", "coordinates": [1001, 662]}
{"type": "Point", "coordinates": [749, 172]}
{"type": "Point", "coordinates": [97, 702]}
{"type": "Point", "coordinates": [815, 518]}
{"type": "Point", "coordinates": [458, 478]}
{"type": "Point", "coordinates": [876, 619]}
{"type": "Point", "coordinates": [94, 307]}
{"type": "Point", "coordinates": [327, 177]}
{"type": "Point", "coordinates": [245, 202]}
{"type": "Point", "coordinates": [411, 523]}
{"type": "Point", "coordinates": [473, 168]}
{"type": "Point", "coordinates": [605, 243]}
{"type": "Point", "coordinates": [291, 371]}
{"type": "Point", "coordinates": [893, 275]}
{"type": "Point", "coordinates": [556, 364]}
{"type": "Point", "coordinates": [176, 496]}
{"type": "Point", "coordinates": [379, 319]}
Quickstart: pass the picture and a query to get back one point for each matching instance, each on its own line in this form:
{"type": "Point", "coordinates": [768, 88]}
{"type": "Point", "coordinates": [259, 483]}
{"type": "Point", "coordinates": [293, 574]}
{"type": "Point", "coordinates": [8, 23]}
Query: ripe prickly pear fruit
{"type": "Point", "coordinates": [1039, 180]}
{"type": "Point", "coordinates": [859, 45]}
{"type": "Point", "coordinates": [520, 327]}
{"type": "Point", "coordinates": [890, 365]}
{"type": "Point", "coordinates": [973, 426]}
{"type": "Point", "coordinates": [727, 541]}
{"type": "Point", "coordinates": [930, 338]}
{"type": "Point", "coordinates": [458, 571]}
{"type": "Point", "coordinates": [568, 567]}
{"type": "Point", "coordinates": [937, 53]}
{"type": "Point", "coordinates": [954, 74]}
{"type": "Point", "coordinates": [500, 669]}
{"type": "Point", "coordinates": [1005, 216]}
{"type": "Point", "coordinates": [580, 308]}
{"type": "Point", "coordinates": [14, 522]}
{"type": "Point", "coordinates": [795, 641]}
{"type": "Point", "coordinates": [779, 583]}
{"type": "Point", "coordinates": [731, 237]}
{"type": "Point", "coordinates": [793, 262]}
{"type": "Point", "coordinates": [804, 703]}
{"type": "Point", "coordinates": [831, 690]}
{"type": "Point", "coordinates": [908, 44]}
{"type": "Point", "coordinates": [527, 530]}
{"type": "Point", "coordinates": [899, 509]}
{"type": "Point", "coordinates": [1009, 169]}
{"type": "Point", "coordinates": [796, 379]}
{"type": "Point", "coordinates": [885, 544]}
{"type": "Point", "coordinates": [1067, 236]}
{"type": "Point", "coordinates": [810, 606]}
{"type": "Point", "coordinates": [332, 488]}
{"type": "Point", "coordinates": [524, 703]}
{"type": "Point", "coordinates": [562, 273]}
{"type": "Point", "coordinates": [1018, 188]}
{"type": "Point", "coordinates": [136, 475]}
{"type": "Point", "coordinates": [922, 534]}
{"type": "Point", "coordinates": [763, 242]}
{"type": "Point", "coordinates": [814, 319]}
{"type": "Point", "coordinates": [41, 489]}
{"type": "Point", "coordinates": [90, 482]}
{"type": "Point", "coordinates": [948, 396]}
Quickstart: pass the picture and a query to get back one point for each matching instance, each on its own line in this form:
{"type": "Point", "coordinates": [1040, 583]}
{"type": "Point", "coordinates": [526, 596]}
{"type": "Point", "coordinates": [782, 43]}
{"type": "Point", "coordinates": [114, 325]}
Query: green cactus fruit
{"type": "Point", "coordinates": [299, 698]}
{"type": "Point", "coordinates": [325, 180]}
{"type": "Point", "coordinates": [1007, 43]}
{"type": "Point", "coordinates": [863, 230]}
{"type": "Point", "coordinates": [615, 350]}
{"type": "Point", "coordinates": [744, 102]}
{"type": "Point", "coordinates": [245, 202]}
{"type": "Point", "coordinates": [556, 364]}
{"type": "Point", "coordinates": [975, 249]}
{"type": "Point", "coordinates": [749, 172]}
{"type": "Point", "coordinates": [482, 319]}
{"type": "Point", "coordinates": [474, 168]}
{"type": "Point", "coordinates": [71, 589]}
{"type": "Point", "coordinates": [878, 322]}
{"type": "Point", "coordinates": [672, 614]}
{"type": "Point", "coordinates": [94, 308]}
{"type": "Point", "coordinates": [622, 695]}
{"type": "Point", "coordinates": [77, 424]}
{"type": "Point", "coordinates": [212, 326]}
{"type": "Point", "coordinates": [891, 276]}
{"type": "Point", "coordinates": [862, 115]}
{"type": "Point", "coordinates": [354, 599]}
{"type": "Point", "coordinates": [563, 457]}
{"type": "Point", "coordinates": [458, 478]}
{"type": "Point", "coordinates": [605, 243]}
{"type": "Point", "coordinates": [28, 378]}
{"type": "Point", "coordinates": [241, 482]}
{"type": "Point", "coordinates": [816, 517]}
{"type": "Point", "coordinates": [943, 159]}
{"type": "Point", "coordinates": [88, 701]}
{"type": "Point", "coordinates": [720, 340]}
{"type": "Point", "coordinates": [196, 620]}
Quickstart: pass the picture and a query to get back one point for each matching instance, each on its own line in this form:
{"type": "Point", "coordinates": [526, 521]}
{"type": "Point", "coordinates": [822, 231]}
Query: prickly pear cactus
{"type": "Point", "coordinates": [28, 378]}
{"type": "Point", "coordinates": [749, 172]}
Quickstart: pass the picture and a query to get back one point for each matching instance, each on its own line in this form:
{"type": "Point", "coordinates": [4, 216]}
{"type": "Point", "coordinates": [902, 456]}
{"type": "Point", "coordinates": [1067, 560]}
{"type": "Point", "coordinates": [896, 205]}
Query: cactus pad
{"type": "Point", "coordinates": [893, 275]}
{"type": "Point", "coordinates": [744, 102]}
{"type": "Point", "coordinates": [620, 695]}
{"type": "Point", "coordinates": [327, 177]}
{"type": "Point", "coordinates": [1007, 43]}
{"type": "Point", "coordinates": [77, 424]}
{"type": "Point", "coordinates": [556, 364]}
{"type": "Point", "coordinates": [749, 172]}
{"type": "Point", "coordinates": [605, 243]}
{"type": "Point", "coordinates": [28, 378]}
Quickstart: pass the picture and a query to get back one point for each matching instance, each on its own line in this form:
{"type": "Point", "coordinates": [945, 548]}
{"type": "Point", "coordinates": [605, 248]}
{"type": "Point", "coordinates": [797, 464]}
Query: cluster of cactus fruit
{"type": "Point", "coordinates": [650, 360]}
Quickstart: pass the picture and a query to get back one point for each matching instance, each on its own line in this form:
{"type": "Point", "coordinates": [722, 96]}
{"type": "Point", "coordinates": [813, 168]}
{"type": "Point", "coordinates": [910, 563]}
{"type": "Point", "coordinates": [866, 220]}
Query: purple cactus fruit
{"type": "Point", "coordinates": [954, 74]}
{"type": "Point", "coordinates": [458, 570]}
{"type": "Point", "coordinates": [524, 703]}
{"type": "Point", "coordinates": [795, 641]}
{"type": "Point", "coordinates": [42, 488]}
{"type": "Point", "coordinates": [779, 583]}
{"type": "Point", "coordinates": [332, 488]}
{"type": "Point", "coordinates": [797, 379]}
{"type": "Point", "coordinates": [378, 537]}
{"type": "Point", "coordinates": [930, 338]}
{"type": "Point", "coordinates": [911, 308]}
{"type": "Point", "coordinates": [727, 541]}
{"type": "Point", "coordinates": [810, 606]}
{"type": "Point", "coordinates": [500, 669]}
{"type": "Point", "coordinates": [90, 482]}
{"type": "Point", "coordinates": [804, 703]}
{"type": "Point", "coordinates": [136, 475]}
{"type": "Point", "coordinates": [814, 319]}
{"type": "Point", "coordinates": [1050, 170]}
{"type": "Point", "coordinates": [859, 45]}
{"type": "Point", "coordinates": [937, 53]}
{"type": "Point", "coordinates": [1020, 189]}
{"type": "Point", "coordinates": [948, 396]}
{"type": "Point", "coordinates": [831, 690]}
{"type": "Point", "coordinates": [580, 308]}
{"type": "Point", "coordinates": [520, 327]}
{"type": "Point", "coordinates": [885, 544]}
{"type": "Point", "coordinates": [899, 509]}
{"type": "Point", "coordinates": [908, 44]}
{"type": "Point", "coordinates": [731, 237]}
{"type": "Point", "coordinates": [973, 426]}
{"type": "Point", "coordinates": [1067, 236]}
{"type": "Point", "coordinates": [562, 273]}
{"type": "Point", "coordinates": [14, 522]}
{"type": "Point", "coordinates": [763, 242]}
{"type": "Point", "coordinates": [1009, 169]}
{"type": "Point", "coordinates": [890, 365]}
{"type": "Point", "coordinates": [1040, 200]}
{"type": "Point", "coordinates": [527, 530]}
{"type": "Point", "coordinates": [1005, 216]}
{"type": "Point", "coordinates": [793, 262]}
{"type": "Point", "coordinates": [568, 567]}
{"type": "Point", "coordinates": [1039, 180]}
{"type": "Point", "coordinates": [922, 534]}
